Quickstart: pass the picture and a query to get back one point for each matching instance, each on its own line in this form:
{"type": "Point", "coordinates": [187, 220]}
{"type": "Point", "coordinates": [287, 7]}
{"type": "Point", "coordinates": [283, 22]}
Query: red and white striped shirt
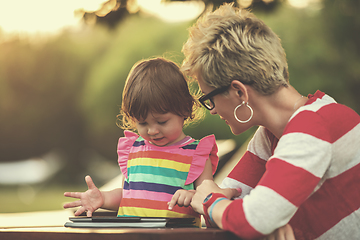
{"type": "Point", "coordinates": [310, 177]}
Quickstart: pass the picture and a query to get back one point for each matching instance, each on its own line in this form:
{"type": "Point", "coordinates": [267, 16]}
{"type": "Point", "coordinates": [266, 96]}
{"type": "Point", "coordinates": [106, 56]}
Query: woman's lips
{"type": "Point", "coordinates": [224, 120]}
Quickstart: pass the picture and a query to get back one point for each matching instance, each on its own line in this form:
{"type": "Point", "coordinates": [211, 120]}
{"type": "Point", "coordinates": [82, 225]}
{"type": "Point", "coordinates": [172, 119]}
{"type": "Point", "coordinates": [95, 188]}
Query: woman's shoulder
{"type": "Point", "coordinates": [322, 118]}
{"type": "Point", "coordinates": [262, 143]}
{"type": "Point", "coordinates": [324, 109]}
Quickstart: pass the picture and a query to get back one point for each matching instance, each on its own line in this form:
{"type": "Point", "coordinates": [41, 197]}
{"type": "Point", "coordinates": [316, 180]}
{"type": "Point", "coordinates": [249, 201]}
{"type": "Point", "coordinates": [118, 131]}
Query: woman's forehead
{"type": "Point", "coordinates": [203, 86]}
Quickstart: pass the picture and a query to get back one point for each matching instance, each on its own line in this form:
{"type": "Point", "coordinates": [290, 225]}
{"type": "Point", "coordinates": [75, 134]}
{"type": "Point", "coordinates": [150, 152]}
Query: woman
{"type": "Point", "coordinates": [302, 164]}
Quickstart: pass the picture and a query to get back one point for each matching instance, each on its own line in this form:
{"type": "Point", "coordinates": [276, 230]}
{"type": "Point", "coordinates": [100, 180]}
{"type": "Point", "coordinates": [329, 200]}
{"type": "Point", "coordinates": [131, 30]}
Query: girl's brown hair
{"type": "Point", "coordinates": [156, 85]}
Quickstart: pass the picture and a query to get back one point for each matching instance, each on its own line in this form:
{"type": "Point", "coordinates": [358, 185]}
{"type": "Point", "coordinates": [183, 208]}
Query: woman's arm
{"type": "Point", "coordinates": [284, 233]}
{"type": "Point", "coordinates": [207, 187]}
{"type": "Point", "coordinates": [217, 211]}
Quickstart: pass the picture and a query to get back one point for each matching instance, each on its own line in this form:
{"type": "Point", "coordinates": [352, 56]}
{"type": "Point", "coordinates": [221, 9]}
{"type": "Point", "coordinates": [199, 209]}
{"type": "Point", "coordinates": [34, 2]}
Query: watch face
{"type": "Point", "coordinates": [207, 198]}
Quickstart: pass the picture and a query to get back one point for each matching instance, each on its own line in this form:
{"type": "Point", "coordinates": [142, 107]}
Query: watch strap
{"type": "Point", "coordinates": [208, 203]}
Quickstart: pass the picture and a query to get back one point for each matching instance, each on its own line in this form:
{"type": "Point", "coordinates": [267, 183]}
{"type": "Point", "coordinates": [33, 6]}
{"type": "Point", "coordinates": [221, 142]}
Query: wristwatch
{"type": "Point", "coordinates": [207, 198]}
{"type": "Point", "coordinates": [208, 201]}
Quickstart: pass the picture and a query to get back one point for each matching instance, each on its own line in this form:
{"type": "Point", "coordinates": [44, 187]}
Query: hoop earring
{"type": "Point", "coordinates": [251, 113]}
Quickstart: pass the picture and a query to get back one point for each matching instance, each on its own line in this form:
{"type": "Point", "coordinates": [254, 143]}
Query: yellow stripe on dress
{"type": "Point", "coordinates": [156, 162]}
{"type": "Point", "coordinates": [147, 212]}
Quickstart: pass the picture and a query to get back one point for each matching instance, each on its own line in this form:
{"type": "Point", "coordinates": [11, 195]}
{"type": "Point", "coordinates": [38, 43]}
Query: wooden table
{"type": "Point", "coordinates": [49, 226]}
{"type": "Point", "coordinates": [60, 233]}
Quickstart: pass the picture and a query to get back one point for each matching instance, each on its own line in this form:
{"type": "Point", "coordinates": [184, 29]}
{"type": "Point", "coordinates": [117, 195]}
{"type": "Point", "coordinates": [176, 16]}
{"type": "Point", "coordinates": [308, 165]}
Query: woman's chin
{"type": "Point", "coordinates": [237, 131]}
{"type": "Point", "coordinates": [234, 131]}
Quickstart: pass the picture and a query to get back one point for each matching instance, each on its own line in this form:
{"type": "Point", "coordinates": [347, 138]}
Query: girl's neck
{"type": "Point", "coordinates": [182, 141]}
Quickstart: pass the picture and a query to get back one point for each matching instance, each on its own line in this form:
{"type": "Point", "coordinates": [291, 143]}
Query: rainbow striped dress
{"type": "Point", "coordinates": [153, 174]}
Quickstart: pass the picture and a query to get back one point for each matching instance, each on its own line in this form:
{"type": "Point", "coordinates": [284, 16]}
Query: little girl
{"type": "Point", "coordinates": [162, 166]}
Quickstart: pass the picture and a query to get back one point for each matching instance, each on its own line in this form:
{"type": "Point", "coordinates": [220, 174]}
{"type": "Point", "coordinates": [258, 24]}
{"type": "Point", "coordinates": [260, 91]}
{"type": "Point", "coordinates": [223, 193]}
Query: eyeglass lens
{"type": "Point", "coordinates": [208, 104]}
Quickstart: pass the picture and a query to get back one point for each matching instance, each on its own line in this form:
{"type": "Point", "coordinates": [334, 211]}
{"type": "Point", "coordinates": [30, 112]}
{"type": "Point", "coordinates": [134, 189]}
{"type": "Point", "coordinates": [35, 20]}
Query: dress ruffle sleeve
{"type": "Point", "coordinates": [206, 149]}
{"type": "Point", "coordinates": [123, 150]}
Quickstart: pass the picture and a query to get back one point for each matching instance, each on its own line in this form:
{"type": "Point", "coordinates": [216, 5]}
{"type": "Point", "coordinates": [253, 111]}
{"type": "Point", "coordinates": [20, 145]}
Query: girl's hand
{"type": "Point", "coordinates": [182, 198]}
{"type": "Point", "coordinates": [88, 201]}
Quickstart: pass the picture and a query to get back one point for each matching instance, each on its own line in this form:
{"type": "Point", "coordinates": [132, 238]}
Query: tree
{"type": "Point", "coordinates": [343, 28]}
{"type": "Point", "coordinates": [113, 12]}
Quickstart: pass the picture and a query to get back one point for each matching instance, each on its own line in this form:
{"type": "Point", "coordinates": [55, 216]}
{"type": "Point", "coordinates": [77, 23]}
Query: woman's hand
{"type": "Point", "coordinates": [283, 233]}
{"type": "Point", "coordinates": [207, 187]}
{"type": "Point", "coordinates": [88, 201]}
{"type": "Point", "coordinates": [182, 198]}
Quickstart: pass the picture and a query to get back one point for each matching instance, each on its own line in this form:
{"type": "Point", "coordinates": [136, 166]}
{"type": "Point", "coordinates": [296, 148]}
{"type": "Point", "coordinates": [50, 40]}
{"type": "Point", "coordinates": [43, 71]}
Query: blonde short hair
{"type": "Point", "coordinates": [233, 44]}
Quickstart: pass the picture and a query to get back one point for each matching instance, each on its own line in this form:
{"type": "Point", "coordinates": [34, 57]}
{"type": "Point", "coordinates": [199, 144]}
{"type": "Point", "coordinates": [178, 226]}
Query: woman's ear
{"type": "Point", "coordinates": [241, 90]}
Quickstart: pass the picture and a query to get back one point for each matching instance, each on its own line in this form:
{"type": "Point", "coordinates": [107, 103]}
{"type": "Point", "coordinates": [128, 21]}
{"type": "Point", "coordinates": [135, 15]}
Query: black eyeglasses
{"type": "Point", "coordinates": [206, 100]}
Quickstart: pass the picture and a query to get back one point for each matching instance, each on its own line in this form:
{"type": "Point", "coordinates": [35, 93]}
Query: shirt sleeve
{"type": "Point", "coordinates": [292, 173]}
{"type": "Point", "coordinates": [251, 167]}
{"type": "Point", "coordinates": [206, 149]}
{"type": "Point", "coordinates": [123, 150]}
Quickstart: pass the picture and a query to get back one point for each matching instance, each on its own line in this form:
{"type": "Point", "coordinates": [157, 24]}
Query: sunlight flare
{"type": "Point", "coordinates": [172, 11]}
{"type": "Point", "coordinates": [38, 16]}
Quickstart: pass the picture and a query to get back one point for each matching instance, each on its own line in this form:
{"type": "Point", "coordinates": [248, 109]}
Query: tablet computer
{"type": "Point", "coordinates": [128, 222]}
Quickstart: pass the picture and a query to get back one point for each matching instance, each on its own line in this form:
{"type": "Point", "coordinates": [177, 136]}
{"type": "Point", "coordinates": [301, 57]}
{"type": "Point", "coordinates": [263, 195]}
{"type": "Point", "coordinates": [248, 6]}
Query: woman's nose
{"type": "Point", "coordinates": [213, 111]}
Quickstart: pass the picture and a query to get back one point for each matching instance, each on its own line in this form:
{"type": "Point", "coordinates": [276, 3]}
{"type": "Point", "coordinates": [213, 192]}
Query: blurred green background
{"type": "Point", "coordinates": [59, 95]}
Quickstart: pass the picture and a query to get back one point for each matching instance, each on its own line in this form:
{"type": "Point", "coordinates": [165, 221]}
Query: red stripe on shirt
{"type": "Point", "coordinates": [315, 96]}
{"type": "Point", "coordinates": [284, 178]}
{"type": "Point", "coordinates": [234, 220]}
{"type": "Point", "coordinates": [339, 124]}
{"type": "Point", "coordinates": [335, 127]}
{"type": "Point", "coordinates": [337, 198]}
{"type": "Point", "coordinates": [249, 169]}
{"type": "Point", "coordinates": [310, 123]}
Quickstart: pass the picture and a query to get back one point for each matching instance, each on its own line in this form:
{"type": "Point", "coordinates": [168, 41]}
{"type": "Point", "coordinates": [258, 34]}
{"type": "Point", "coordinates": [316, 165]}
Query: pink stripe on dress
{"type": "Point", "coordinates": [143, 194]}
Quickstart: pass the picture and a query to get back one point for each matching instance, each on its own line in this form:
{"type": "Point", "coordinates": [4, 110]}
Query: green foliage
{"type": "Point", "coordinates": [38, 85]}
{"type": "Point", "coordinates": [135, 39]}
{"type": "Point", "coordinates": [316, 60]}
{"type": "Point", "coordinates": [65, 92]}
{"type": "Point", "coordinates": [26, 198]}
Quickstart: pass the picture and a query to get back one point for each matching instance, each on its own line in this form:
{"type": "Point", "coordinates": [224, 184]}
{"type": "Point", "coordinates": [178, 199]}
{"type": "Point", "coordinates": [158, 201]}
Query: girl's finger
{"type": "Point", "coordinates": [80, 211]}
{"type": "Point", "coordinates": [72, 204]}
{"type": "Point", "coordinates": [89, 182]}
{"type": "Point", "coordinates": [173, 200]}
{"type": "Point", "coordinates": [181, 199]}
{"type": "Point", "coordinates": [89, 214]}
{"type": "Point", "coordinates": [187, 201]}
{"type": "Point", "coordinates": [72, 194]}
